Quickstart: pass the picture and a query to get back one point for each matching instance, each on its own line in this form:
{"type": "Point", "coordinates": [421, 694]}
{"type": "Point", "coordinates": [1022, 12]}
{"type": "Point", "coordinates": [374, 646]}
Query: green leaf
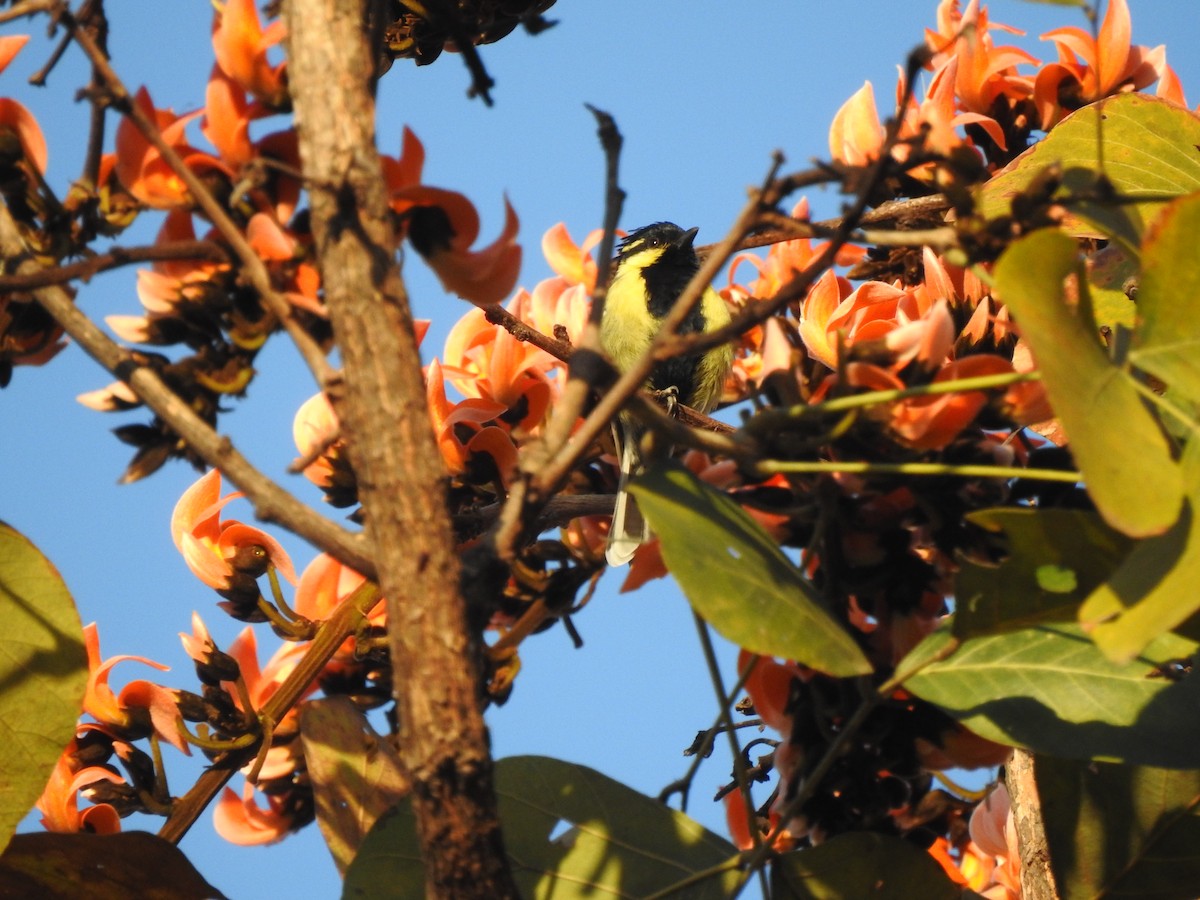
{"type": "Point", "coordinates": [1154, 589]}
{"type": "Point", "coordinates": [1167, 342]}
{"type": "Point", "coordinates": [569, 832]}
{"type": "Point", "coordinates": [356, 776]}
{"type": "Point", "coordinates": [43, 670]}
{"type": "Point", "coordinates": [1117, 443]}
{"type": "Point", "coordinates": [861, 864]}
{"type": "Point", "coordinates": [99, 867]}
{"type": "Point", "coordinates": [1120, 831]}
{"type": "Point", "coordinates": [736, 577]}
{"type": "Point", "coordinates": [1148, 151]}
{"type": "Point", "coordinates": [1052, 559]}
{"type": "Point", "coordinates": [1051, 689]}
{"type": "Point", "coordinates": [1110, 271]}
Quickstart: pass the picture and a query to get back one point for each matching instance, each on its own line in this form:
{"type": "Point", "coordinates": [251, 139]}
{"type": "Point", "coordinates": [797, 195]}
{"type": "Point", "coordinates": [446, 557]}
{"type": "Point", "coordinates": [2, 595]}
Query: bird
{"type": "Point", "coordinates": [653, 266]}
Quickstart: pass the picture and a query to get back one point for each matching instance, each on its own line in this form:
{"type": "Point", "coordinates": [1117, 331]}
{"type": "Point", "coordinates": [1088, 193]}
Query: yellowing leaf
{"type": "Point", "coordinates": [1117, 443]}
{"type": "Point", "coordinates": [43, 668]}
{"type": "Point", "coordinates": [1166, 342]}
{"type": "Point", "coordinates": [736, 577]}
{"type": "Point", "coordinates": [1148, 151]}
{"type": "Point", "coordinates": [356, 775]}
{"type": "Point", "coordinates": [1154, 589]}
{"type": "Point", "coordinates": [569, 831]}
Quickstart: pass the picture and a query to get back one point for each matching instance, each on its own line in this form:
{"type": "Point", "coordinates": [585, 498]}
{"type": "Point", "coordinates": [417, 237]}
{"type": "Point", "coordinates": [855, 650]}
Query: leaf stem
{"type": "Point", "coordinates": [801, 467]}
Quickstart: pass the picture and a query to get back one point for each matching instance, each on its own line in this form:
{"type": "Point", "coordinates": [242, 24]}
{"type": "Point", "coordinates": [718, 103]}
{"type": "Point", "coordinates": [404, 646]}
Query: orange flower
{"type": "Point", "coordinates": [997, 872]}
{"type": "Point", "coordinates": [484, 361]}
{"type": "Point", "coordinates": [451, 420]}
{"type": "Point", "coordinates": [280, 250]}
{"type": "Point", "coordinates": [572, 262]}
{"type": "Point", "coordinates": [1090, 68]}
{"type": "Point", "coordinates": [214, 550]}
{"type": "Point", "coordinates": [139, 703]}
{"type": "Point", "coordinates": [165, 287]}
{"type": "Point", "coordinates": [226, 125]}
{"type": "Point", "coordinates": [983, 71]}
{"type": "Point", "coordinates": [442, 225]}
{"type": "Point", "coordinates": [59, 802]}
{"type": "Point", "coordinates": [15, 117]}
{"type": "Point", "coordinates": [324, 584]}
{"type": "Point", "coordinates": [931, 422]}
{"type": "Point", "coordinates": [240, 820]}
{"type": "Point", "coordinates": [856, 134]}
{"type": "Point", "coordinates": [240, 44]}
{"type": "Point", "coordinates": [140, 167]}
{"type": "Point", "coordinates": [769, 686]}
{"type": "Point", "coordinates": [315, 426]}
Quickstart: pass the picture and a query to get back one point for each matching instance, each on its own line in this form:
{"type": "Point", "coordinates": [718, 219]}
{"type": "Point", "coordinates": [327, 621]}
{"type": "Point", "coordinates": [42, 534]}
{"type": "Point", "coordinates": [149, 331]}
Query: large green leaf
{"type": "Point", "coordinates": [1117, 442]}
{"type": "Point", "coordinates": [569, 832]}
{"type": "Point", "coordinates": [1053, 558]}
{"type": "Point", "coordinates": [100, 867]}
{"type": "Point", "coordinates": [1148, 151]}
{"type": "Point", "coordinates": [1051, 689]}
{"type": "Point", "coordinates": [1120, 831]}
{"type": "Point", "coordinates": [43, 671]}
{"type": "Point", "coordinates": [1167, 341]}
{"type": "Point", "coordinates": [861, 864]}
{"type": "Point", "coordinates": [356, 775]}
{"type": "Point", "coordinates": [1154, 589]}
{"type": "Point", "coordinates": [737, 578]}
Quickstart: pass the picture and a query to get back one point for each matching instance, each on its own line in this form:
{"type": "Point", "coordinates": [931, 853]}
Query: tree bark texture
{"type": "Point", "coordinates": [443, 740]}
{"type": "Point", "coordinates": [1037, 878]}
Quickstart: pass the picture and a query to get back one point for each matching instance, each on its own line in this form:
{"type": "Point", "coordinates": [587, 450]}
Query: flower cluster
{"type": "Point", "coordinates": [977, 97]}
{"type": "Point", "coordinates": [200, 301]}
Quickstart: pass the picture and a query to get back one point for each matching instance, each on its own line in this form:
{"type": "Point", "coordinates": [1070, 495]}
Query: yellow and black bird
{"type": "Point", "coordinates": [653, 266]}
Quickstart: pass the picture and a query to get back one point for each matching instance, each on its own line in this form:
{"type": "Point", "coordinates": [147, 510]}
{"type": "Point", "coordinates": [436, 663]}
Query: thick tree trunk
{"type": "Point", "coordinates": [443, 740]}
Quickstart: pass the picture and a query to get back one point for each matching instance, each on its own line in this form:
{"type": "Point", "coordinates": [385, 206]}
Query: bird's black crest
{"type": "Point", "coordinates": [657, 234]}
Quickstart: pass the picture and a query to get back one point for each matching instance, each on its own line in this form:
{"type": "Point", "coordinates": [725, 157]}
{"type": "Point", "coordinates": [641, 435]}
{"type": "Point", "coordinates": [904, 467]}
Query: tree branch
{"type": "Point", "coordinates": [85, 269]}
{"type": "Point", "coordinates": [435, 655]}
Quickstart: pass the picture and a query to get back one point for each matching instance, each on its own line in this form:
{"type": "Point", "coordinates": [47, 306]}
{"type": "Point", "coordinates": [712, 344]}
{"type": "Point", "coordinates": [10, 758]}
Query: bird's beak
{"type": "Point", "coordinates": [685, 239]}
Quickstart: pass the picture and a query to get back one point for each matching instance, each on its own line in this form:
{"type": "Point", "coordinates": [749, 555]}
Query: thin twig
{"type": "Point", "coordinates": [27, 8]}
{"type": "Point", "coordinates": [529, 494]}
{"type": "Point", "coordinates": [86, 269]}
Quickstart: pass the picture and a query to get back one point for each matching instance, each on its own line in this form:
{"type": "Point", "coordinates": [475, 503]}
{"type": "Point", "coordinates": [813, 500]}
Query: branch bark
{"type": "Point", "coordinates": [435, 655]}
{"type": "Point", "coordinates": [1037, 877]}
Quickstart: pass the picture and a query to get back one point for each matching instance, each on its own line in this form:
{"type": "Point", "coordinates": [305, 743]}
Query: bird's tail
{"type": "Point", "coordinates": [628, 530]}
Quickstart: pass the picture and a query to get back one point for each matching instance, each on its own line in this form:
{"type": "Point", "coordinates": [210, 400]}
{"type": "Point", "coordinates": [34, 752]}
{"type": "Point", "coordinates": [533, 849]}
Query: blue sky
{"type": "Point", "coordinates": [703, 94]}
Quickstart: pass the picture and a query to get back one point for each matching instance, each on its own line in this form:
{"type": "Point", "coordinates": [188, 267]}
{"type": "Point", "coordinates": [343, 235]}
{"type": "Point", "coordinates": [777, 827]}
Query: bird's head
{"type": "Point", "coordinates": [661, 241]}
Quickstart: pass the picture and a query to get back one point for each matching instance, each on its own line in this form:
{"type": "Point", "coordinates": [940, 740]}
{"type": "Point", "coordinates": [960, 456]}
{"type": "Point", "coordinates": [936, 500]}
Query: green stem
{"type": "Point", "coordinates": [876, 398]}
{"type": "Point", "coordinates": [788, 467]}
